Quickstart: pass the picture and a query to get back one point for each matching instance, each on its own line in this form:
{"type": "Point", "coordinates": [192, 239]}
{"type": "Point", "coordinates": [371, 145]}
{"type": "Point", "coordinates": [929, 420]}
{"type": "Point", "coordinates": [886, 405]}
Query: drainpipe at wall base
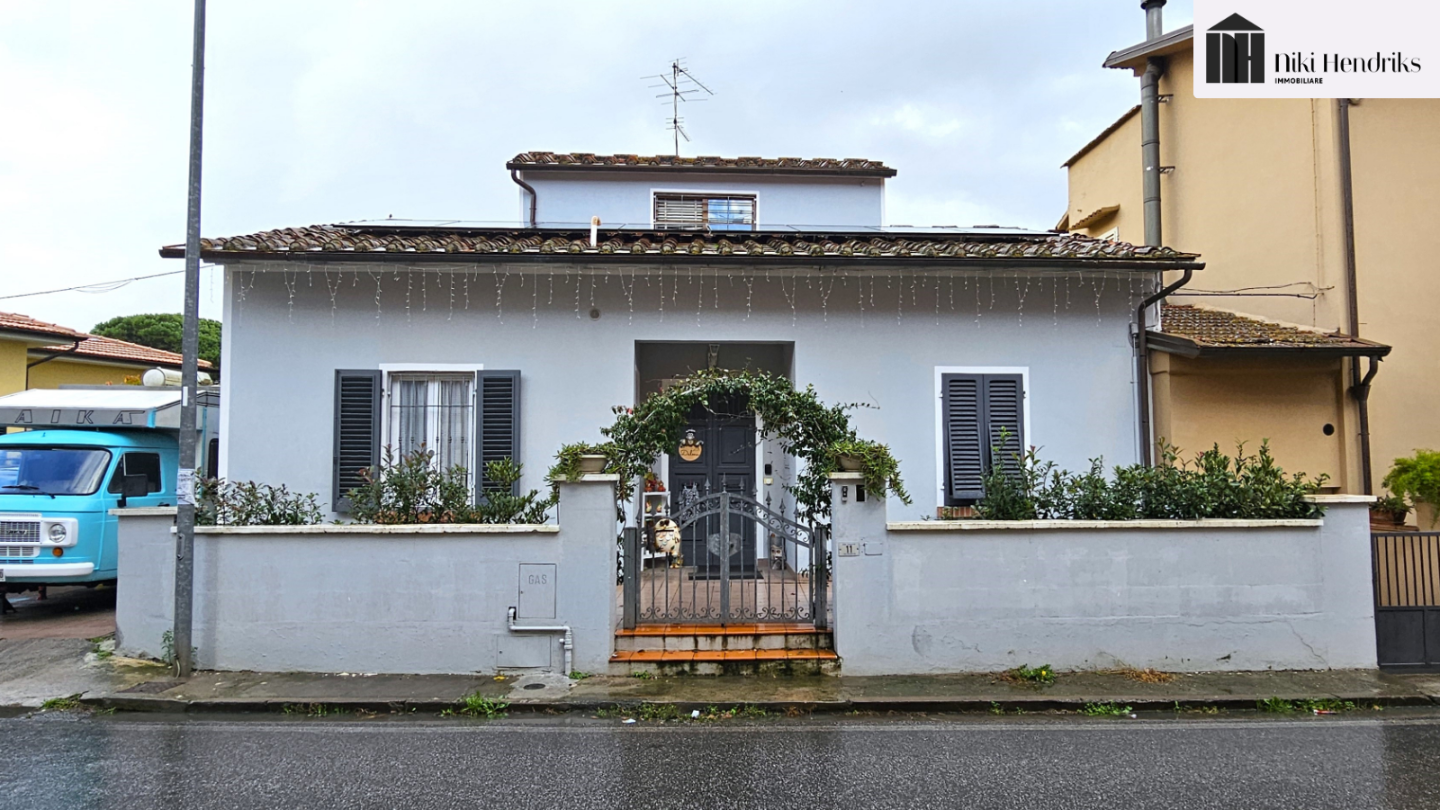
{"type": "Point", "coordinates": [534, 198]}
{"type": "Point", "coordinates": [569, 640]}
{"type": "Point", "coordinates": [1361, 390]}
{"type": "Point", "coordinates": [1142, 365]}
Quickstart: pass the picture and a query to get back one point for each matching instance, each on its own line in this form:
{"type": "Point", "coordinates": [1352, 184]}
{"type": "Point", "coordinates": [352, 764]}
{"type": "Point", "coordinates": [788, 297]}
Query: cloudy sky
{"type": "Point", "coordinates": [332, 110]}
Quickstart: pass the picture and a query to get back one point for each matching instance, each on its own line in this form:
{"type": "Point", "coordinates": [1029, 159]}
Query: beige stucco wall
{"type": "Point", "coordinates": [12, 366]}
{"type": "Point", "coordinates": [69, 372]}
{"type": "Point", "coordinates": [1256, 191]}
{"type": "Point", "coordinates": [1109, 175]}
{"type": "Point", "coordinates": [1199, 403]}
{"type": "Point", "coordinates": [1395, 148]}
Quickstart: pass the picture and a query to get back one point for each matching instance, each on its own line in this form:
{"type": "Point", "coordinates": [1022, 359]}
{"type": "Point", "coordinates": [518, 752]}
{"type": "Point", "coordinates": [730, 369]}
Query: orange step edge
{"type": "Point", "coordinates": [715, 656]}
{"type": "Point", "coordinates": [773, 629]}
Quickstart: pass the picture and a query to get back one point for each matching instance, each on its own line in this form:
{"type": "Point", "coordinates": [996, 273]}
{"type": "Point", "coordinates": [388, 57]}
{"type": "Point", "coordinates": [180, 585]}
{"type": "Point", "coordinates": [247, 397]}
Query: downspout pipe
{"type": "Point", "coordinates": [568, 640]}
{"type": "Point", "coordinates": [1360, 385]}
{"type": "Point", "coordinates": [534, 198]}
{"type": "Point", "coordinates": [1142, 365]}
{"type": "Point", "coordinates": [48, 358]}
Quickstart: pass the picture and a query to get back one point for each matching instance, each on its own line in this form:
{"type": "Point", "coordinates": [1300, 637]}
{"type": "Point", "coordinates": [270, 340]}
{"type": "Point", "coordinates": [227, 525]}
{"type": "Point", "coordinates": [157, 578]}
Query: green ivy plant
{"type": "Point", "coordinates": [1416, 477]}
{"type": "Point", "coordinates": [880, 470]}
{"type": "Point", "coordinates": [413, 490]}
{"type": "Point", "coordinates": [803, 425]}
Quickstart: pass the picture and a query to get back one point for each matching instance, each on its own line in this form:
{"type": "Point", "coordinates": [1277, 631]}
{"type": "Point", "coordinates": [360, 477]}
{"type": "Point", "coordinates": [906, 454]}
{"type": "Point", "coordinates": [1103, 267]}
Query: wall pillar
{"type": "Point", "coordinates": [586, 591]}
{"type": "Point", "coordinates": [861, 577]}
{"type": "Point", "coordinates": [145, 585]}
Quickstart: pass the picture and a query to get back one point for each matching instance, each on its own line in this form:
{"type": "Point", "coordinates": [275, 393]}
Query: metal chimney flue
{"type": "Point", "coordinates": [1154, 27]}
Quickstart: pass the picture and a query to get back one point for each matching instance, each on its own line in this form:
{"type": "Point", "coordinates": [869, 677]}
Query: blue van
{"type": "Point", "coordinates": [117, 449]}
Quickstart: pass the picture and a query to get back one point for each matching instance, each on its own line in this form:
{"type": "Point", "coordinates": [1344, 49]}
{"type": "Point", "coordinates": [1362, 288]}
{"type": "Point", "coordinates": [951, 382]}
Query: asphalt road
{"type": "Point", "coordinates": [1352, 763]}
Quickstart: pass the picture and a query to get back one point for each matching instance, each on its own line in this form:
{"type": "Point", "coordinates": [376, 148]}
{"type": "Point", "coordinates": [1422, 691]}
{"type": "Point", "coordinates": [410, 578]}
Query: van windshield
{"type": "Point", "coordinates": [52, 470]}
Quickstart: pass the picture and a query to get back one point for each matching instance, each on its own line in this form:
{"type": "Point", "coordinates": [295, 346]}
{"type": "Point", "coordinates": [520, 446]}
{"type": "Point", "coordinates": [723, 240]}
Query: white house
{"type": "Point", "coordinates": [485, 342]}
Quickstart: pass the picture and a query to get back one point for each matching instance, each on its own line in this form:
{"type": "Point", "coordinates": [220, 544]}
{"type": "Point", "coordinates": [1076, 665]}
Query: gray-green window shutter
{"type": "Point", "coordinates": [497, 423]}
{"type": "Point", "coordinates": [1005, 414]}
{"type": "Point", "coordinates": [357, 430]}
{"type": "Point", "coordinates": [965, 451]}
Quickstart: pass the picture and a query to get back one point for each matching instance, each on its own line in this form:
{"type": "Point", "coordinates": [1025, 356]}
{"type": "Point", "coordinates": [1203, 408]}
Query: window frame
{"type": "Point", "coordinates": [391, 371]}
{"type": "Point", "coordinates": [121, 470]}
{"type": "Point", "coordinates": [942, 495]}
{"type": "Point", "coordinates": [707, 194]}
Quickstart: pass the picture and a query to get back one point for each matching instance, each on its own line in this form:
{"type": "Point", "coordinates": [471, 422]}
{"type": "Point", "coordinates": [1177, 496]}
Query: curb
{"type": "Point", "coordinates": [159, 705]}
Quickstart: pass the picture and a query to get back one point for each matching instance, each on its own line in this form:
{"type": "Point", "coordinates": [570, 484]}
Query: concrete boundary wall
{"type": "Point", "coordinates": [969, 596]}
{"type": "Point", "coordinates": [381, 599]}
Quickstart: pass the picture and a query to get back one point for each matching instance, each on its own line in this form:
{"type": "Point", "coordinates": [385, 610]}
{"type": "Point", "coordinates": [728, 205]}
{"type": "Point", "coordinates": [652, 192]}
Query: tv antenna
{"type": "Point", "coordinates": [679, 84]}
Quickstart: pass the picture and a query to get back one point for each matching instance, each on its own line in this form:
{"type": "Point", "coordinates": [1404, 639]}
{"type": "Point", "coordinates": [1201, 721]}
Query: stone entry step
{"type": "Point", "coordinates": [733, 649]}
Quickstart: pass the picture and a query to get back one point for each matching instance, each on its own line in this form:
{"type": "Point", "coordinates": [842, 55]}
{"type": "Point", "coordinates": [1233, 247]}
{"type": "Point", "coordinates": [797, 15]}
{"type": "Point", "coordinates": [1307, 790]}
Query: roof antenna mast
{"type": "Point", "coordinates": [678, 84]}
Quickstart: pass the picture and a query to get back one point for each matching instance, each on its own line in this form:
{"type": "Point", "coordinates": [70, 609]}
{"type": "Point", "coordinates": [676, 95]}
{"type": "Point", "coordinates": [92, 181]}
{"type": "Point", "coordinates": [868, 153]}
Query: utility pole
{"type": "Point", "coordinates": [190, 349]}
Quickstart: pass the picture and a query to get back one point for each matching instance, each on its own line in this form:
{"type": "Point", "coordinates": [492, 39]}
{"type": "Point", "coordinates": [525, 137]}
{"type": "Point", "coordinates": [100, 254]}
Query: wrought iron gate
{"type": "Point", "coordinates": [1407, 599]}
{"type": "Point", "coordinates": [712, 571]}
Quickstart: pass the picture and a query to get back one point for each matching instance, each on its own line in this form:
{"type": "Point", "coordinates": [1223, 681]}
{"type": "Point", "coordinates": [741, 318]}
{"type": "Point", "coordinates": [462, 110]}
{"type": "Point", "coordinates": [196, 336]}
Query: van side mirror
{"type": "Point", "coordinates": [133, 486]}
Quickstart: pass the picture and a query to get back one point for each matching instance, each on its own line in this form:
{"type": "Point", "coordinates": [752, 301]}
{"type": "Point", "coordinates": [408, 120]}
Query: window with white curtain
{"type": "Point", "coordinates": [435, 412]}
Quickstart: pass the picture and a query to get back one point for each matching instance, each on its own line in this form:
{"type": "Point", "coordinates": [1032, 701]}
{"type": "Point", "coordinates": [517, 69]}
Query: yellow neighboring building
{"type": "Point", "coordinates": [1259, 189]}
{"type": "Point", "coordinates": [36, 354]}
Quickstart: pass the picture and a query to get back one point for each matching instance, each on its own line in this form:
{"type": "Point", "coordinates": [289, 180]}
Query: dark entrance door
{"type": "Point", "coordinates": [726, 433]}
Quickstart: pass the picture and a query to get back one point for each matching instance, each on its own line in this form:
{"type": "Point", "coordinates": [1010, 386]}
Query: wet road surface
{"type": "Point", "coordinates": [1352, 762]}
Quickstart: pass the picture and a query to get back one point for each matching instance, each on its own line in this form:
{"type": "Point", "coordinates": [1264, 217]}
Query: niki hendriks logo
{"type": "Point", "coordinates": [1235, 52]}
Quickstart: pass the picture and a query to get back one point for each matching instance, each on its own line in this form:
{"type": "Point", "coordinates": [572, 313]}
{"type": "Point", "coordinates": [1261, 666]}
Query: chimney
{"type": "Point", "coordinates": [1153, 26]}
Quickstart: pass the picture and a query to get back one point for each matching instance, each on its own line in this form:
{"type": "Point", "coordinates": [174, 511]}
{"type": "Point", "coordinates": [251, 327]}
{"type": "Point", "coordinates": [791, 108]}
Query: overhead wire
{"type": "Point", "coordinates": [100, 286]}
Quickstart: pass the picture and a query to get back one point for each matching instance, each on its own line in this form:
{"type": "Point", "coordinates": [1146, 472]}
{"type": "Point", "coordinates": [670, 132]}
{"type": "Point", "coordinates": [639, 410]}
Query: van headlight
{"type": "Point", "coordinates": [57, 532]}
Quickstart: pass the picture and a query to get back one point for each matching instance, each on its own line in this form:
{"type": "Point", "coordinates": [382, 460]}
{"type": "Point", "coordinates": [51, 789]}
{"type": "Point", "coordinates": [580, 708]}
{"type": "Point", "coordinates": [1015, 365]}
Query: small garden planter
{"type": "Point", "coordinates": [591, 464]}
{"type": "Point", "coordinates": [850, 463]}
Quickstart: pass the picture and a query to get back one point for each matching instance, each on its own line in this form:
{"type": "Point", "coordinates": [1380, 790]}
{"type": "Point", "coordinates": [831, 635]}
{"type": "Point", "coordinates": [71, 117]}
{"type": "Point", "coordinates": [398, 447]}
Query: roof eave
{"type": "Point", "coordinates": [741, 259]}
{"type": "Point", "coordinates": [1135, 56]}
{"type": "Point", "coordinates": [651, 169]}
{"type": "Point", "coordinates": [1187, 347]}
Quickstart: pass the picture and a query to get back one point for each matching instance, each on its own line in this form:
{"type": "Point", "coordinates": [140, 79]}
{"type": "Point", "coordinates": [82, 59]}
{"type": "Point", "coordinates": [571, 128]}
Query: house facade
{"type": "Point", "coordinates": [1304, 234]}
{"type": "Point", "coordinates": [481, 343]}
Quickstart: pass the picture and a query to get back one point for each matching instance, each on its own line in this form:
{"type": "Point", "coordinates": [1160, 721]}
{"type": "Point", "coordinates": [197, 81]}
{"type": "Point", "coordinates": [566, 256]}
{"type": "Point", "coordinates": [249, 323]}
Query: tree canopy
{"type": "Point", "coordinates": [162, 331]}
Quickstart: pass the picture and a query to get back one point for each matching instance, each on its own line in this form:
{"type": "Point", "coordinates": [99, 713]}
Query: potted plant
{"type": "Point", "coordinates": [1418, 478]}
{"type": "Point", "coordinates": [580, 458]}
{"type": "Point", "coordinates": [1389, 511]}
{"type": "Point", "coordinates": [879, 469]}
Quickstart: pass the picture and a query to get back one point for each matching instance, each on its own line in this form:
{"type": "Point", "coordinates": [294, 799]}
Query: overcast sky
{"type": "Point", "coordinates": [331, 110]}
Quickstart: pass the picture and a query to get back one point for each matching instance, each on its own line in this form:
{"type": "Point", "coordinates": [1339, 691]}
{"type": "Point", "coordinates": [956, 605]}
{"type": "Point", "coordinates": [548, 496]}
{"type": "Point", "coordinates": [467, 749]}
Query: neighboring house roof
{"type": "Point", "coordinates": [852, 167]}
{"type": "Point", "coordinates": [1105, 133]}
{"type": "Point", "coordinates": [95, 347]}
{"type": "Point", "coordinates": [978, 247]}
{"type": "Point", "coordinates": [1134, 56]}
{"type": "Point", "coordinates": [1095, 216]}
{"type": "Point", "coordinates": [1194, 331]}
{"type": "Point", "coordinates": [15, 322]}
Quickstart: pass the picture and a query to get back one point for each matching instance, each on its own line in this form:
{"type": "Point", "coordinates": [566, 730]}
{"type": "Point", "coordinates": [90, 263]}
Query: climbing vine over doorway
{"type": "Point", "coordinates": [804, 426]}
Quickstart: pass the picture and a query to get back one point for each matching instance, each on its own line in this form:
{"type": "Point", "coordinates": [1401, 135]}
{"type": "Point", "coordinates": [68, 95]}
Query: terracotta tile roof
{"type": "Point", "coordinates": [95, 347]}
{"type": "Point", "coordinates": [15, 322]}
{"type": "Point", "coordinates": [1212, 329]}
{"type": "Point", "coordinates": [349, 243]}
{"type": "Point", "coordinates": [751, 165]}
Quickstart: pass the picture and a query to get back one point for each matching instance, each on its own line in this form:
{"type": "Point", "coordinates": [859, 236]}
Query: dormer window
{"type": "Point", "coordinates": [700, 212]}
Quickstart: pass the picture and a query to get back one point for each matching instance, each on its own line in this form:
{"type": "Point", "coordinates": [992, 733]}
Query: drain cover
{"type": "Point", "coordinates": [151, 687]}
{"type": "Point", "coordinates": [534, 686]}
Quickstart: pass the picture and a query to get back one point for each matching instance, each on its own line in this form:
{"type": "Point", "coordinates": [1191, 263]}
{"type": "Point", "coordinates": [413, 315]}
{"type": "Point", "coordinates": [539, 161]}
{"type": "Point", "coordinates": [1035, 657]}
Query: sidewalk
{"type": "Point", "coordinates": [259, 692]}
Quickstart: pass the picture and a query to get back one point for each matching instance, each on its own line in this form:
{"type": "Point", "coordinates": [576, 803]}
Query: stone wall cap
{"type": "Point", "coordinates": [146, 511]}
{"type": "Point", "coordinates": [387, 531]}
{"type": "Point", "coordinates": [1092, 525]}
{"type": "Point", "coordinates": [847, 476]}
{"type": "Point", "coordinates": [1334, 499]}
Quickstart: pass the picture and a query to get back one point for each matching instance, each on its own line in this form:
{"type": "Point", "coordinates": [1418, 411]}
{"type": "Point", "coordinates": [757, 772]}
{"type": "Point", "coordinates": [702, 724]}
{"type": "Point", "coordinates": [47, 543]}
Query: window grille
{"type": "Point", "coordinates": [434, 412]}
{"type": "Point", "coordinates": [698, 212]}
